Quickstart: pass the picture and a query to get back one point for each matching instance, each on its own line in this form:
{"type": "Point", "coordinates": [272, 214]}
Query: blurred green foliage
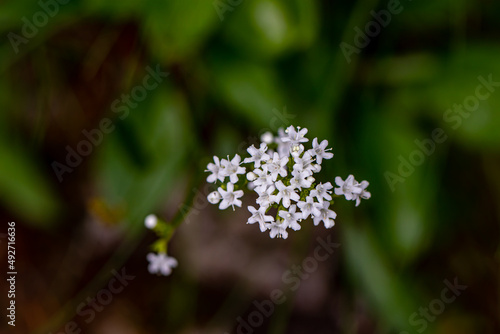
{"type": "Point", "coordinates": [228, 72]}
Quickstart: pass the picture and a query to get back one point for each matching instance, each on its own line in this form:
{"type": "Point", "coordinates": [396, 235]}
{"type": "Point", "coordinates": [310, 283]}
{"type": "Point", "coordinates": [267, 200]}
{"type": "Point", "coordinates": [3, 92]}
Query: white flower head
{"type": "Point", "coordinates": [257, 155]}
{"type": "Point", "coordinates": [295, 137]}
{"type": "Point", "coordinates": [232, 168]}
{"type": "Point", "coordinates": [214, 197]}
{"type": "Point", "coordinates": [320, 150]}
{"type": "Point", "coordinates": [259, 216]}
{"type": "Point", "coordinates": [286, 193]}
{"type": "Point", "coordinates": [290, 217]}
{"type": "Point", "coordinates": [277, 228]}
{"type": "Point", "coordinates": [217, 171]}
{"type": "Point", "coordinates": [322, 192]}
{"type": "Point", "coordinates": [306, 207]}
{"type": "Point", "coordinates": [150, 221]}
{"type": "Point", "coordinates": [322, 213]}
{"type": "Point", "coordinates": [348, 188]}
{"type": "Point", "coordinates": [230, 197]}
{"type": "Point", "coordinates": [161, 264]}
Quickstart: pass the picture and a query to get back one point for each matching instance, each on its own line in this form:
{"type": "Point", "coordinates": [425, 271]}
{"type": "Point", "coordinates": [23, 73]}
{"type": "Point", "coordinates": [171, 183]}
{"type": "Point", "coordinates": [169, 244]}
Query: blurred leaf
{"type": "Point", "coordinates": [369, 267]}
{"type": "Point", "coordinates": [24, 189]}
{"type": "Point", "coordinates": [265, 28]}
{"type": "Point", "coordinates": [177, 29]}
{"type": "Point", "coordinates": [159, 124]}
{"type": "Point", "coordinates": [251, 90]}
{"type": "Point", "coordinates": [457, 85]}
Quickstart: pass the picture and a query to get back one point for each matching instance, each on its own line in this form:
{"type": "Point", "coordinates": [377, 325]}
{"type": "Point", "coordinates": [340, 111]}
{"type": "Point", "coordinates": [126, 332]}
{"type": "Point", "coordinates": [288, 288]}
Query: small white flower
{"type": "Point", "coordinates": [161, 263]}
{"type": "Point", "coordinates": [290, 217]}
{"type": "Point", "coordinates": [322, 213]}
{"type": "Point", "coordinates": [305, 163]}
{"type": "Point", "coordinates": [263, 180]}
{"type": "Point", "coordinates": [364, 194]}
{"type": "Point", "coordinates": [348, 188]}
{"type": "Point", "coordinates": [283, 148]}
{"type": "Point", "coordinates": [267, 137]}
{"type": "Point", "coordinates": [300, 179]}
{"type": "Point", "coordinates": [217, 171]}
{"type": "Point", "coordinates": [276, 166]}
{"type": "Point", "coordinates": [306, 207]}
{"type": "Point", "coordinates": [295, 137]}
{"type": "Point", "coordinates": [230, 197]}
{"type": "Point", "coordinates": [320, 150]}
{"type": "Point", "coordinates": [232, 168]}
{"type": "Point", "coordinates": [259, 216]}
{"type": "Point", "coordinates": [296, 150]}
{"type": "Point", "coordinates": [214, 197]}
{"type": "Point", "coordinates": [257, 155]}
{"type": "Point", "coordinates": [286, 194]}
{"type": "Point", "coordinates": [277, 228]}
{"type": "Point", "coordinates": [266, 198]}
{"type": "Point", "coordinates": [322, 192]}
{"type": "Point", "coordinates": [150, 221]}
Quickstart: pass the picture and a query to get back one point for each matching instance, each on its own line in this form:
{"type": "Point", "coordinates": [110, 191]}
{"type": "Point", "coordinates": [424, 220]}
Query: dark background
{"type": "Point", "coordinates": [235, 68]}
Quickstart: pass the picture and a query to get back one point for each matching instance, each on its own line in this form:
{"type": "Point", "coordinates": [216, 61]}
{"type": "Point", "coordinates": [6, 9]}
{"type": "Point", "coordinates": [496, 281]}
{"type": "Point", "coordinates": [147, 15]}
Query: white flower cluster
{"type": "Point", "coordinates": [281, 173]}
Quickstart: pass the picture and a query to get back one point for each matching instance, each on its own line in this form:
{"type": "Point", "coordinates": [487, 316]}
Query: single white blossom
{"type": "Point", "coordinates": [214, 197]}
{"type": "Point", "coordinates": [295, 137]}
{"type": "Point", "coordinates": [150, 221]}
{"type": "Point", "coordinates": [305, 163]}
{"type": "Point", "coordinates": [364, 194]}
{"type": "Point", "coordinates": [322, 213]}
{"type": "Point", "coordinates": [259, 216]}
{"type": "Point", "coordinates": [276, 166]}
{"type": "Point", "coordinates": [232, 168]}
{"type": "Point", "coordinates": [161, 263]}
{"type": "Point", "coordinates": [290, 217]}
{"type": "Point", "coordinates": [263, 180]}
{"type": "Point", "coordinates": [296, 150]}
{"type": "Point", "coordinates": [217, 171]}
{"type": "Point", "coordinates": [257, 155]}
{"type": "Point", "coordinates": [230, 197]}
{"type": "Point", "coordinates": [286, 194]}
{"type": "Point", "coordinates": [266, 198]}
{"type": "Point", "coordinates": [306, 207]}
{"type": "Point", "coordinates": [322, 191]}
{"type": "Point", "coordinates": [348, 188]}
{"type": "Point", "coordinates": [320, 150]}
{"type": "Point", "coordinates": [283, 148]}
{"type": "Point", "coordinates": [277, 228]}
{"type": "Point", "coordinates": [300, 179]}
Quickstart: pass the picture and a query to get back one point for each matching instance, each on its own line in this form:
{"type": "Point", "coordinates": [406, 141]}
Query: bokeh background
{"type": "Point", "coordinates": [236, 69]}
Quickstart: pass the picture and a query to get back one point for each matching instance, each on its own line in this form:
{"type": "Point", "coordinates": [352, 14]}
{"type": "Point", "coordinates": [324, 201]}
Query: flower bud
{"type": "Point", "coordinates": [251, 176]}
{"type": "Point", "coordinates": [214, 197]}
{"type": "Point", "coordinates": [267, 137]}
{"type": "Point", "coordinates": [150, 221]}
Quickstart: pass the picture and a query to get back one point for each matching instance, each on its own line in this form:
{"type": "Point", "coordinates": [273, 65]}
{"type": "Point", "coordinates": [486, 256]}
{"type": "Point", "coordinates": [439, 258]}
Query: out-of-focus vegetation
{"type": "Point", "coordinates": [237, 68]}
